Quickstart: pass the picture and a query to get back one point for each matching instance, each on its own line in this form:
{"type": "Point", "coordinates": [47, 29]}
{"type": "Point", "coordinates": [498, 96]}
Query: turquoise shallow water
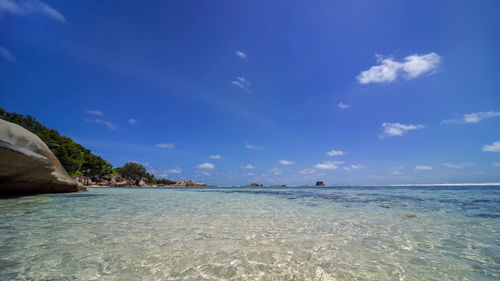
{"type": "Point", "coordinates": [360, 233]}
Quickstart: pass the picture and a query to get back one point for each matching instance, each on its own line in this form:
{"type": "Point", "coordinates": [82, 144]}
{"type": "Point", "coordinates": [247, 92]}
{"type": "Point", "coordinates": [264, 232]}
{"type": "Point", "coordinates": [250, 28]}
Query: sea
{"type": "Point", "coordinates": [302, 233]}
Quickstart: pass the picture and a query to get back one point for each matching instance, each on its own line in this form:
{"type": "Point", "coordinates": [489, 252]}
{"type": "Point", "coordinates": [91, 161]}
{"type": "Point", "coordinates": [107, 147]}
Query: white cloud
{"type": "Point", "coordinates": [132, 121]}
{"type": "Point", "coordinates": [216, 156]}
{"type": "Point", "coordinates": [286, 162]}
{"type": "Point", "coordinates": [458, 166]}
{"type": "Point", "coordinates": [397, 129]}
{"type": "Point", "coordinates": [475, 117]}
{"type": "Point", "coordinates": [206, 165]}
{"type": "Point", "coordinates": [165, 145]}
{"type": "Point", "coordinates": [495, 164]}
{"type": "Point", "coordinates": [388, 69]}
{"type": "Point", "coordinates": [207, 174]}
{"type": "Point", "coordinates": [417, 65]}
{"type": "Point", "coordinates": [329, 165]}
{"type": "Point", "coordinates": [241, 54]}
{"type": "Point", "coordinates": [275, 171]}
{"type": "Point", "coordinates": [336, 153]}
{"type": "Point", "coordinates": [249, 166]}
{"type": "Point", "coordinates": [254, 147]}
{"type": "Point", "coordinates": [6, 54]}
{"type": "Point", "coordinates": [175, 170]}
{"type": "Point", "coordinates": [352, 167]}
{"type": "Point", "coordinates": [307, 171]}
{"type": "Point", "coordinates": [494, 147]}
{"type": "Point", "coordinates": [95, 112]}
{"type": "Point", "coordinates": [242, 83]}
{"type": "Point", "coordinates": [28, 7]}
{"type": "Point", "coordinates": [423, 168]}
{"type": "Point", "coordinates": [342, 105]}
{"type": "Point", "coordinates": [250, 174]}
{"type": "Point", "coordinates": [108, 124]}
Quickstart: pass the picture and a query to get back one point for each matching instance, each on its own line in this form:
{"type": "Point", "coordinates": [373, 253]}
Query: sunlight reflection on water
{"type": "Point", "coordinates": [253, 234]}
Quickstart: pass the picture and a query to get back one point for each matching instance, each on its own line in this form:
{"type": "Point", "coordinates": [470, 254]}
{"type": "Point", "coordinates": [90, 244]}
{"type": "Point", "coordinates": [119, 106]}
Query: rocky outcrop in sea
{"type": "Point", "coordinates": [27, 166]}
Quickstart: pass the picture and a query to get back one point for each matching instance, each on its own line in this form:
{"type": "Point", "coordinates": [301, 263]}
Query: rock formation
{"type": "Point", "coordinates": [253, 184]}
{"type": "Point", "coordinates": [188, 183]}
{"type": "Point", "coordinates": [320, 183]}
{"type": "Point", "coordinates": [27, 166]}
{"type": "Point", "coordinates": [115, 181]}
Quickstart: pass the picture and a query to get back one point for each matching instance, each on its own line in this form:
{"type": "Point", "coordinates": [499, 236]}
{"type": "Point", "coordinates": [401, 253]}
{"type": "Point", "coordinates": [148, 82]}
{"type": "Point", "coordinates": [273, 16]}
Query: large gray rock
{"type": "Point", "coordinates": [28, 166]}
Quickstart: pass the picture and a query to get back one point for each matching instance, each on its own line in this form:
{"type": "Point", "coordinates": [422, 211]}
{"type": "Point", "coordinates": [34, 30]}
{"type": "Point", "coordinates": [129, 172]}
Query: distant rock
{"type": "Point", "coordinates": [85, 181]}
{"type": "Point", "coordinates": [253, 185]}
{"type": "Point", "coordinates": [142, 182]}
{"type": "Point", "coordinates": [320, 183]}
{"type": "Point", "coordinates": [27, 166]}
{"type": "Point", "coordinates": [115, 181]}
{"type": "Point", "coordinates": [121, 181]}
{"type": "Point", "coordinates": [188, 183]}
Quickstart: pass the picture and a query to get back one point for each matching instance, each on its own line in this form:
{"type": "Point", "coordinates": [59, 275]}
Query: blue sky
{"type": "Point", "coordinates": [287, 92]}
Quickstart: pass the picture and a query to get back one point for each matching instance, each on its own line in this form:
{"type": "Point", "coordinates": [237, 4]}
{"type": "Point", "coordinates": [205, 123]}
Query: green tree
{"type": "Point", "coordinates": [133, 170]}
{"type": "Point", "coordinates": [95, 167]}
{"type": "Point", "coordinates": [75, 159]}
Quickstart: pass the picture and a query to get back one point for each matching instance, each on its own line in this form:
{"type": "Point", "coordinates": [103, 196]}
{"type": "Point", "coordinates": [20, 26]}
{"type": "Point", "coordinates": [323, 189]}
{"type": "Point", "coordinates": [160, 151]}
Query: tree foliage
{"type": "Point", "coordinates": [76, 159]}
{"type": "Point", "coordinates": [133, 170]}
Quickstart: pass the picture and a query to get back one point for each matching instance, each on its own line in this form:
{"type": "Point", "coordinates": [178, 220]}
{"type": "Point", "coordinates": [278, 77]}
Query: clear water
{"type": "Point", "coordinates": [253, 234]}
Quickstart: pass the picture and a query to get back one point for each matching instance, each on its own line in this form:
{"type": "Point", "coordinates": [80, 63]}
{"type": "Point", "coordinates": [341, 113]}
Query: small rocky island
{"type": "Point", "coordinates": [253, 184]}
{"type": "Point", "coordinates": [28, 166]}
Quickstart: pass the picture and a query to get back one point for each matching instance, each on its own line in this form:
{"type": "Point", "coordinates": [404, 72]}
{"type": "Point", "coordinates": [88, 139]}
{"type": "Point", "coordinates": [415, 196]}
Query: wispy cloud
{"type": "Point", "coordinates": [108, 124]}
{"type": "Point", "coordinates": [494, 147]}
{"type": "Point", "coordinates": [249, 166]}
{"type": "Point", "coordinates": [93, 112]}
{"type": "Point", "coordinates": [329, 165]}
{"type": "Point", "coordinates": [216, 156]}
{"type": "Point", "coordinates": [286, 162]}
{"type": "Point", "coordinates": [175, 170]}
{"type": "Point", "coordinates": [307, 171]}
{"type": "Point", "coordinates": [388, 69]}
{"type": "Point", "coordinates": [132, 121]}
{"type": "Point", "coordinates": [160, 171]}
{"type": "Point", "coordinates": [336, 153]}
{"type": "Point", "coordinates": [397, 129]}
{"type": "Point", "coordinates": [458, 165]}
{"type": "Point", "coordinates": [475, 117]}
{"type": "Point", "coordinates": [423, 168]}
{"type": "Point", "coordinates": [28, 7]}
{"type": "Point", "coordinates": [352, 167]}
{"type": "Point", "coordinates": [165, 145]}
{"type": "Point", "coordinates": [206, 165]}
{"type": "Point", "coordinates": [242, 83]}
{"type": "Point", "coordinates": [253, 147]}
{"type": "Point", "coordinates": [275, 171]}
{"type": "Point", "coordinates": [6, 54]}
{"type": "Point", "coordinates": [241, 54]}
{"type": "Point", "coordinates": [342, 105]}
{"type": "Point", "coordinates": [495, 164]}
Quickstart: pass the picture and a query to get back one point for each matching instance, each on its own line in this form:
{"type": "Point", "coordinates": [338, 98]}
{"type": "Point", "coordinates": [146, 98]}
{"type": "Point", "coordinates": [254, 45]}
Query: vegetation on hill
{"type": "Point", "coordinates": [76, 159]}
{"type": "Point", "coordinates": [136, 172]}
